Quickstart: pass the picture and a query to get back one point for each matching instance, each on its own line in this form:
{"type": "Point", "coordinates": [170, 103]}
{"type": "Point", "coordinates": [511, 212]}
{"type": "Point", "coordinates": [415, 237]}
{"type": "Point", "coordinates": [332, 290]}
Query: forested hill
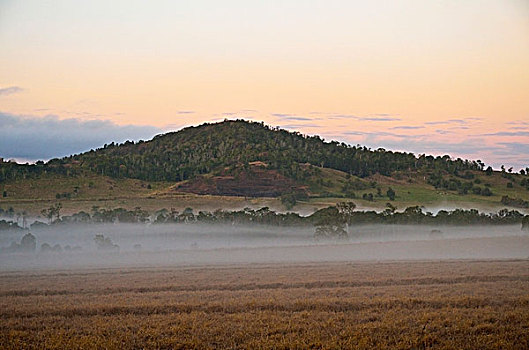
{"type": "Point", "coordinates": [219, 147]}
{"type": "Point", "coordinates": [181, 155]}
{"type": "Point", "coordinates": [250, 159]}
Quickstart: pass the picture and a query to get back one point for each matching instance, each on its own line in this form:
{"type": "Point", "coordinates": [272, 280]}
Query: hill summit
{"type": "Point", "coordinates": [181, 155]}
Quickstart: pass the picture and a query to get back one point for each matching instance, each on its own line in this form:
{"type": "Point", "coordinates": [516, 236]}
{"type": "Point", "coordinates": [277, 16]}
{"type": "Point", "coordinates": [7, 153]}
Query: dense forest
{"type": "Point", "coordinates": [211, 148]}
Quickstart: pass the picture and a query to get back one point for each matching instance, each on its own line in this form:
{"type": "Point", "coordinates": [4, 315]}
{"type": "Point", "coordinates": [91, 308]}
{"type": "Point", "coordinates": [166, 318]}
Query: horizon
{"type": "Point", "coordinates": [433, 78]}
{"type": "Point", "coordinates": [272, 127]}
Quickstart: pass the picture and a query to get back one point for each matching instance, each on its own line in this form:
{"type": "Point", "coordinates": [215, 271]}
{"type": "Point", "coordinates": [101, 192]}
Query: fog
{"type": "Point", "coordinates": [138, 245]}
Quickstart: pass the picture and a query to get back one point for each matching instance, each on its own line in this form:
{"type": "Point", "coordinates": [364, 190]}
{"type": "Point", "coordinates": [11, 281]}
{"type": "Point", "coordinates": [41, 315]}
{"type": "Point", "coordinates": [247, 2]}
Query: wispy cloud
{"type": "Point", "coordinates": [407, 127]}
{"type": "Point", "coordinates": [507, 133]}
{"type": "Point", "coordinates": [294, 117]}
{"type": "Point", "coordinates": [443, 132]}
{"type": "Point", "coordinates": [297, 118]}
{"type": "Point", "coordinates": [418, 143]}
{"type": "Point", "coordinates": [492, 147]}
{"type": "Point", "coordinates": [515, 149]}
{"type": "Point", "coordinates": [355, 133]}
{"type": "Point", "coordinates": [185, 112]}
{"type": "Point", "coordinates": [449, 121]}
{"type": "Point", "coordinates": [456, 121]}
{"type": "Point", "coordinates": [483, 146]}
{"type": "Point", "coordinates": [379, 119]}
{"type": "Point", "coordinates": [10, 90]}
{"type": "Point", "coordinates": [518, 122]}
{"type": "Point", "coordinates": [342, 116]}
{"type": "Point", "coordinates": [298, 126]}
{"type": "Point", "coordinates": [48, 137]}
{"type": "Point", "coordinates": [380, 134]}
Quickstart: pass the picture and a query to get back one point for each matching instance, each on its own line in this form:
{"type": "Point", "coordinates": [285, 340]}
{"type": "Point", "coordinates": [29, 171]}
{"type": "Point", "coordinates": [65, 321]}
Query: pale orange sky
{"type": "Point", "coordinates": [435, 77]}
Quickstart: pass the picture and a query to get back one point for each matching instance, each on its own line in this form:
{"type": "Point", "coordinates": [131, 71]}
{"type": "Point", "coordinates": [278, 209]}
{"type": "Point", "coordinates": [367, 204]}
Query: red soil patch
{"type": "Point", "coordinates": [255, 182]}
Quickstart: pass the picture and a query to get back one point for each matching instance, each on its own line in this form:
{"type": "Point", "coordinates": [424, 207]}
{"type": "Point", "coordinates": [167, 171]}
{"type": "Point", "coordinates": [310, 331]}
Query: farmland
{"type": "Point", "coordinates": [464, 304]}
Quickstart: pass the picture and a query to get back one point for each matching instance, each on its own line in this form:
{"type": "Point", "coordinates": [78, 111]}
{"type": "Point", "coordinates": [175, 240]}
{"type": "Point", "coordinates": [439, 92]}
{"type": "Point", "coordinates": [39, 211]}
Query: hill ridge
{"type": "Point", "coordinates": [247, 158]}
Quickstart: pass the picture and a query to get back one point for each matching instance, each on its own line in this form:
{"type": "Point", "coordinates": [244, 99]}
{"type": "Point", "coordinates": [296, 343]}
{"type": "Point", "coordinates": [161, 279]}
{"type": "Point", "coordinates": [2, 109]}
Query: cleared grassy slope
{"type": "Point", "coordinates": [325, 188]}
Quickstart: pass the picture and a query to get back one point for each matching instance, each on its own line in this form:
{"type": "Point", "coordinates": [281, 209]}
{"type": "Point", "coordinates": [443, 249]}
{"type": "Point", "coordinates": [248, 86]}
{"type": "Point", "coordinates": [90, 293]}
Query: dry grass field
{"type": "Point", "coordinates": [403, 305]}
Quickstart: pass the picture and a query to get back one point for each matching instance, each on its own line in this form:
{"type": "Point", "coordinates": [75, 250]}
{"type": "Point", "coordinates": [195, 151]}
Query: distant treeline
{"type": "Point", "coordinates": [343, 213]}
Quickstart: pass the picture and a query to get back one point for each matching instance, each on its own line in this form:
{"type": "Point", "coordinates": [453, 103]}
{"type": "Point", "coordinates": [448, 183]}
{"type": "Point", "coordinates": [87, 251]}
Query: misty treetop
{"type": "Point", "coordinates": [344, 213]}
{"type": "Point", "coordinates": [333, 222]}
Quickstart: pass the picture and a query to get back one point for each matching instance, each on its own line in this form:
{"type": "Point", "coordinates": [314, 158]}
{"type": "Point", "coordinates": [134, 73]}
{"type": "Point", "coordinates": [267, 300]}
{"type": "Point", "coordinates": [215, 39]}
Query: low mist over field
{"type": "Point", "coordinates": [117, 245]}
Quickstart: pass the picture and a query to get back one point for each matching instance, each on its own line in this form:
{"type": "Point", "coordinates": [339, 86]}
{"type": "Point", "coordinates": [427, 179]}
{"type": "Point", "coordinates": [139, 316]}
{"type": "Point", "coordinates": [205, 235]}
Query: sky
{"type": "Point", "coordinates": [435, 77]}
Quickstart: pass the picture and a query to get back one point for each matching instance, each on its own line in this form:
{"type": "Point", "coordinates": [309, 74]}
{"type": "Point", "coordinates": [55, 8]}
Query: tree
{"type": "Point", "coordinates": [47, 213]}
{"type": "Point", "coordinates": [390, 209]}
{"type": "Point", "coordinates": [288, 200]}
{"type": "Point", "coordinates": [45, 248]}
{"type": "Point", "coordinates": [24, 219]}
{"type": "Point", "coordinates": [104, 243]}
{"type": "Point", "coordinates": [161, 216]}
{"type": "Point", "coordinates": [28, 243]}
{"type": "Point", "coordinates": [346, 209]}
{"type": "Point", "coordinates": [51, 212]}
{"type": "Point", "coordinates": [368, 196]}
{"type": "Point", "coordinates": [187, 215]}
{"type": "Point", "coordinates": [391, 194]}
{"type": "Point", "coordinates": [525, 223]}
{"type": "Point", "coordinates": [330, 224]}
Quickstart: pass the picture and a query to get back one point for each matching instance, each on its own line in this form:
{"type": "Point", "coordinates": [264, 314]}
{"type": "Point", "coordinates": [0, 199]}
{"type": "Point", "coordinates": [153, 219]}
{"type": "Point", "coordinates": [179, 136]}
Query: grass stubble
{"type": "Point", "coordinates": [364, 305]}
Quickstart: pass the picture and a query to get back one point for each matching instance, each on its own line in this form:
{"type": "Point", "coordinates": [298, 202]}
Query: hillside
{"type": "Point", "coordinates": [209, 148]}
{"type": "Point", "coordinates": [249, 159]}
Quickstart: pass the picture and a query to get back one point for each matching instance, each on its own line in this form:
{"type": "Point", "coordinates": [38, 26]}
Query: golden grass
{"type": "Point", "coordinates": [447, 305]}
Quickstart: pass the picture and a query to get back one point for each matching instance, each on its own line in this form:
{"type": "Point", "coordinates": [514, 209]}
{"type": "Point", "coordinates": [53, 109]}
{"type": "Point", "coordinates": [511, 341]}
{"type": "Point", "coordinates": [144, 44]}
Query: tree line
{"type": "Point", "coordinates": [344, 213]}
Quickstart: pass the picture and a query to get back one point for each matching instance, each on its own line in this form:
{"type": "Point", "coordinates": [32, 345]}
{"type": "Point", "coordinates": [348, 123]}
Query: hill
{"type": "Point", "coordinates": [249, 159]}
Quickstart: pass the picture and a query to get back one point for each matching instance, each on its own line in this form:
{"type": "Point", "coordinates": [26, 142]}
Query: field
{"type": "Point", "coordinates": [451, 304]}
